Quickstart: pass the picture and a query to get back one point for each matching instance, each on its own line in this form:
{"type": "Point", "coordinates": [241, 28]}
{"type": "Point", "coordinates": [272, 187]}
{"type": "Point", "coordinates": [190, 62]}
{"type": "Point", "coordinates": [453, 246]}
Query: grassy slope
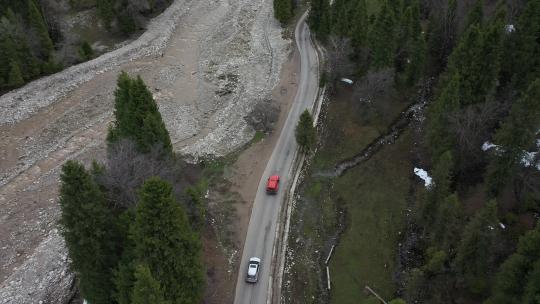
{"type": "Point", "coordinates": [374, 194]}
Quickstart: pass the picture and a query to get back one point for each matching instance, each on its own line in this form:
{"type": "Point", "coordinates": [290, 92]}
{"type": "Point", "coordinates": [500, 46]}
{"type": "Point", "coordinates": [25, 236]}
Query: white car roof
{"type": "Point", "coordinates": [252, 270]}
{"type": "Point", "coordinates": [254, 259]}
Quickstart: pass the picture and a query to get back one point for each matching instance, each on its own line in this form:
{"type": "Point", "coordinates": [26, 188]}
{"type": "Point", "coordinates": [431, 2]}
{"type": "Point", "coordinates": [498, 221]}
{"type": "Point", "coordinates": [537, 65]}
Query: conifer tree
{"type": "Point", "coordinates": [37, 22]}
{"type": "Point", "coordinates": [516, 134]}
{"type": "Point", "coordinates": [449, 219]}
{"type": "Point", "coordinates": [106, 11]}
{"type": "Point", "coordinates": [517, 280]}
{"type": "Point", "coordinates": [319, 18]}
{"type": "Point", "coordinates": [474, 259]}
{"type": "Point", "coordinates": [360, 24]}
{"type": "Point", "coordinates": [164, 241]}
{"type": "Point", "coordinates": [137, 116]}
{"type": "Point", "coordinates": [15, 78]}
{"type": "Point", "coordinates": [90, 231]}
{"type": "Point", "coordinates": [438, 136]}
{"type": "Point", "coordinates": [441, 36]}
{"type": "Point", "coordinates": [382, 38]}
{"type": "Point", "coordinates": [522, 51]}
{"type": "Point", "coordinates": [283, 10]}
{"type": "Point", "coordinates": [306, 134]}
{"type": "Point", "coordinates": [147, 289]}
{"type": "Point", "coordinates": [476, 15]}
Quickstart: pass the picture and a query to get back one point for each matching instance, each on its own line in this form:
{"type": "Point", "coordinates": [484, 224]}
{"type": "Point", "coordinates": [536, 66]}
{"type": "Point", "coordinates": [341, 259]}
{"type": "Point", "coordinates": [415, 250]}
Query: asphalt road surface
{"type": "Point", "coordinates": [264, 216]}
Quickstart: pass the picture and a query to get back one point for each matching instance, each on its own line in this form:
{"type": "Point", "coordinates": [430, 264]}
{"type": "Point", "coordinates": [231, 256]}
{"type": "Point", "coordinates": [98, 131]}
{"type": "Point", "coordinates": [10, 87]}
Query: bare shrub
{"type": "Point", "coordinates": [127, 169]}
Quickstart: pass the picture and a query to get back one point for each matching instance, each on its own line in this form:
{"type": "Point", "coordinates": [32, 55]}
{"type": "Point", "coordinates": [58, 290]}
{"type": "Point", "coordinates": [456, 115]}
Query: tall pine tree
{"type": "Point", "coordinates": [515, 136]}
{"type": "Point", "coordinates": [38, 24]}
{"type": "Point", "coordinates": [474, 261]}
{"type": "Point", "coordinates": [89, 228]}
{"type": "Point", "coordinates": [137, 116]}
{"type": "Point", "coordinates": [164, 240]}
{"type": "Point", "coordinates": [382, 38]}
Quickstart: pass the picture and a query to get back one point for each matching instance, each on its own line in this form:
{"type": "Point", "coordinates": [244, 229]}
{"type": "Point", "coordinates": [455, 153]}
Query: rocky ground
{"type": "Point", "coordinates": [208, 64]}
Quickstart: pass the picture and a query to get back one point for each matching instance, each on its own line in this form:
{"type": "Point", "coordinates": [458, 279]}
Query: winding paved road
{"type": "Point", "coordinates": [262, 225]}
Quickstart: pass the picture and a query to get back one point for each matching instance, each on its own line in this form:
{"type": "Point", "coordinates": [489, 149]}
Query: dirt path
{"type": "Point", "coordinates": [185, 80]}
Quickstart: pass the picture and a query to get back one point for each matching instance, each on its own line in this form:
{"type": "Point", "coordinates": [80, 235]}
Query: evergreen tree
{"type": "Point", "coordinates": [319, 18]}
{"type": "Point", "coordinates": [106, 11]}
{"type": "Point", "coordinates": [89, 228]}
{"type": "Point", "coordinates": [86, 52]}
{"type": "Point", "coordinates": [441, 36]}
{"type": "Point", "coordinates": [516, 135]}
{"type": "Point", "coordinates": [306, 134]}
{"type": "Point", "coordinates": [137, 116]}
{"type": "Point", "coordinates": [522, 50]}
{"type": "Point", "coordinates": [439, 138]}
{"type": "Point", "coordinates": [360, 24]}
{"type": "Point", "coordinates": [37, 22]}
{"type": "Point", "coordinates": [474, 259]}
{"type": "Point", "coordinates": [409, 63]}
{"type": "Point", "coordinates": [283, 10]}
{"type": "Point", "coordinates": [467, 60]}
{"type": "Point", "coordinates": [449, 223]}
{"type": "Point", "coordinates": [517, 280]}
{"type": "Point", "coordinates": [147, 289]}
{"type": "Point", "coordinates": [382, 38]}
{"type": "Point", "coordinates": [15, 78]}
{"type": "Point", "coordinates": [164, 241]}
{"type": "Point", "coordinates": [476, 14]}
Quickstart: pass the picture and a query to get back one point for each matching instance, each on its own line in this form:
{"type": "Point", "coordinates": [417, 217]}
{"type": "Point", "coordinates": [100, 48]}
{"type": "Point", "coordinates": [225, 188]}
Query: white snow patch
{"type": "Point", "coordinates": [528, 160]}
{"type": "Point", "coordinates": [421, 173]}
{"type": "Point", "coordinates": [347, 80]}
{"type": "Point", "coordinates": [510, 28]}
{"type": "Point", "coordinates": [488, 145]}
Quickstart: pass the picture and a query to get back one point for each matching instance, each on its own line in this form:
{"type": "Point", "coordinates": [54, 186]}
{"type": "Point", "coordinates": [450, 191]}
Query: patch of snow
{"type": "Point", "coordinates": [488, 145]}
{"type": "Point", "coordinates": [528, 160]}
{"type": "Point", "coordinates": [510, 28]}
{"type": "Point", "coordinates": [347, 80]}
{"type": "Point", "coordinates": [421, 173]}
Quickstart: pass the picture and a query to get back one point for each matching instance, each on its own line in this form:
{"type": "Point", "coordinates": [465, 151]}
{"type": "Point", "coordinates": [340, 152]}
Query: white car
{"type": "Point", "coordinates": [253, 270]}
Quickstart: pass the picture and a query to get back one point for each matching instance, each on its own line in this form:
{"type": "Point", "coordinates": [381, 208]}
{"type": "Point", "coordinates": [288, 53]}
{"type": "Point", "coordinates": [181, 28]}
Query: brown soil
{"type": "Point", "coordinates": [245, 176]}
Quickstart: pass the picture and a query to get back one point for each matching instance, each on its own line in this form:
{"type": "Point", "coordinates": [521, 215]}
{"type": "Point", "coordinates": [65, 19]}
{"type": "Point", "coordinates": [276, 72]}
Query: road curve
{"type": "Point", "coordinates": [264, 216]}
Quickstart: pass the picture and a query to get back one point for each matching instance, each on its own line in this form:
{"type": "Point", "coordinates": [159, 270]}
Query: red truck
{"type": "Point", "coordinates": [273, 184]}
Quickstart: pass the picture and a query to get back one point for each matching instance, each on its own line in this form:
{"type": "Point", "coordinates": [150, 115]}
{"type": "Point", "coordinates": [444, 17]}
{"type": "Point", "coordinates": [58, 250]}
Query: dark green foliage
{"type": "Point", "coordinates": [89, 228]}
{"type": "Point", "coordinates": [319, 18]}
{"type": "Point", "coordinates": [518, 278]}
{"type": "Point", "coordinates": [147, 289]}
{"type": "Point", "coordinates": [410, 57]}
{"type": "Point", "coordinates": [474, 260]}
{"type": "Point", "coordinates": [137, 116]}
{"type": "Point", "coordinates": [360, 24]}
{"type": "Point", "coordinates": [516, 135]}
{"type": "Point", "coordinates": [438, 136]}
{"type": "Point", "coordinates": [522, 50]}
{"type": "Point", "coordinates": [126, 23]}
{"type": "Point", "coordinates": [435, 261]}
{"type": "Point", "coordinates": [382, 38]}
{"type": "Point", "coordinates": [15, 78]}
{"type": "Point", "coordinates": [475, 15]}
{"type": "Point", "coordinates": [164, 240]}
{"type": "Point", "coordinates": [449, 223]}
{"type": "Point", "coordinates": [306, 134]}
{"type": "Point", "coordinates": [38, 24]}
{"type": "Point", "coordinates": [106, 11]}
{"type": "Point", "coordinates": [283, 10]}
{"type": "Point", "coordinates": [441, 36]}
{"type": "Point", "coordinates": [86, 52]}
